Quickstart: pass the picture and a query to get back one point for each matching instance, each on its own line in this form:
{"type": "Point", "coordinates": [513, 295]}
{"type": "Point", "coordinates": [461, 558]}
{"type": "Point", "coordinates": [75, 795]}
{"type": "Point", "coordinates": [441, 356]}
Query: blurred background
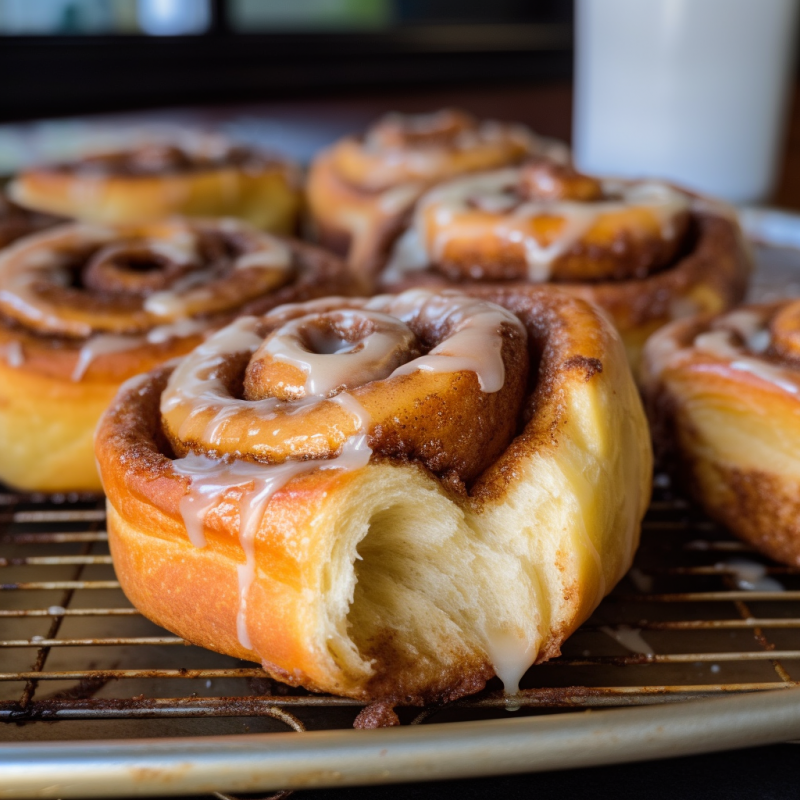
{"type": "Point", "coordinates": [83, 74]}
{"type": "Point", "coordinates": [290, 75]}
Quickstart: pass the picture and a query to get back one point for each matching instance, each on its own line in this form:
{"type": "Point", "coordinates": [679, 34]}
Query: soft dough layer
{"type": "Point", "coordinates": [382, 583]}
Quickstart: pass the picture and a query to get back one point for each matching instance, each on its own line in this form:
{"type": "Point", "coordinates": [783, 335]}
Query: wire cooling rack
{"type": "Point", "coordinates": [700, 615]}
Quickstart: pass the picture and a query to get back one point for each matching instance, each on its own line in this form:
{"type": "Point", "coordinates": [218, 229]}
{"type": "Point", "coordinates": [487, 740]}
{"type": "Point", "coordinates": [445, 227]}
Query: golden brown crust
{"type": "Point", "coordinates": [581, 418]}
{"type": "Point", "coordinates": [723, 404]}
{"type": "Point", "coordinates": [55, 385]}
{"type": "Point", "coordinates": [156, 181]}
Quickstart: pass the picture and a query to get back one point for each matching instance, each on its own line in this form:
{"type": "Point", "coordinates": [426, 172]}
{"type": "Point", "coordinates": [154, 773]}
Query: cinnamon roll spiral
{"type": "Point", "coordinates": [644, 251]}
{"type": "Point", "coordinates": [361, 189]}
{"type": "Point", "coordinates": [393, 498]}
{"type": "Point", "coordinates": [724, 398]}
{"type": "Point", "coordinates": [83, 308]}
{"type": "Point", "coordinates": [202, 176]}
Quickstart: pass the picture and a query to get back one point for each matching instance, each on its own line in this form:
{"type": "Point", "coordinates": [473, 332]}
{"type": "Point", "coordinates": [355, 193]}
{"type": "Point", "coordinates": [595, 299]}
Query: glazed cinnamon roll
{"type": "Point", "coordinates": [362, 188]}
{"type": "Point", "coordinates": [199, 177]}
{"type": "Point", "coordinates": [83, 308]}
{"type": "Point", "coordinates": [644, 251]}
{"type": "Point", "coordinates": [724, 398]}
{"type": "Point", "coordinates": [393, 498]}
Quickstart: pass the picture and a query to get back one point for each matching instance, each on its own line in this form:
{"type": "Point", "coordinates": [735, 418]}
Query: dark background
{"type": "Point", "coordinates": [87, 65]}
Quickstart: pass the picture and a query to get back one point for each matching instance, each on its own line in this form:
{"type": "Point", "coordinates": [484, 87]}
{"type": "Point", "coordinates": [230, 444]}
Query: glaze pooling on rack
{"type": "Point", "coordinates": [630, 638]}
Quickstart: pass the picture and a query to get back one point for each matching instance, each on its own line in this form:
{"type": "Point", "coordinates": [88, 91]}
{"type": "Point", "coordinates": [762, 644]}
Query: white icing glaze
{"type": "Point", "coordinates": [179, 300]}
{"type": "Point", "coordinates": [176, 330]}
{"type": "Point", "coordinates": [99, 345]}
{"type": "Point", "coordinates": [336, 362]}
{"type": "Point", "coordinates": [271, 254]}
{"type": "Point", "coordinates": [629, 638]}
{"type": "Point", "coordinates": [212, 479]}
{"type": "Point", "coordinates": [44, 257]}
{"type": "Point", "coordinates": [751, 576]}
{"type": "Point", "coordinates": [719, 343]}
{"type": "Point", "coordinates": [494, 192]}
{"type": "Point", "coordinates": [474, 343]}
{"type": "Point", "coordinates": [642, 581]}
{"type": "Point", "coordinates": [175, 302]}
{"type": "Point", "coordinates": [511, 653]}
{"type": "Point", "coordinates": [13, 354]}
{"type": "Point", "coordinates": [427, 161]}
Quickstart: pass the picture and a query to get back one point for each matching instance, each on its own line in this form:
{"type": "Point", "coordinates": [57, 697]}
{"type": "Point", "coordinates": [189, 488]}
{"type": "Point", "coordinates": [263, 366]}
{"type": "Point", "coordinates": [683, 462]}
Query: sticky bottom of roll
{"type": "Point", "coordinates": [47, 429]}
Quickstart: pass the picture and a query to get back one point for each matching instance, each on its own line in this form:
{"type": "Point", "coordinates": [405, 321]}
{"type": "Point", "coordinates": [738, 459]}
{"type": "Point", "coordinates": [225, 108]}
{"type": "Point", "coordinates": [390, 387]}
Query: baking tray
{"type": "Point", "coordinates": [100, 702]}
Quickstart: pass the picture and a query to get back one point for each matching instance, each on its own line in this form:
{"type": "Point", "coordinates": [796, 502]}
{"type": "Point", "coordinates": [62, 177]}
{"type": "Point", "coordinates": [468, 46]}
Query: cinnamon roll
{"type": "Point", "coordinates": [199, 177]}
{"type": "Point", "coordinates": [644, 251]}
{"type": "Point", "coordinates": [394, 498]}
{"type": "Point", "coordinates": [724, 398]}
{"type": "Point", "coordinates": [361, 189]}
{"type": "Point", "coordinates": [83, 308]}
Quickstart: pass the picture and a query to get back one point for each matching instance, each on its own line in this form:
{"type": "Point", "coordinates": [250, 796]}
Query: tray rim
{"type": "Point", "coordinates": [324, 759]}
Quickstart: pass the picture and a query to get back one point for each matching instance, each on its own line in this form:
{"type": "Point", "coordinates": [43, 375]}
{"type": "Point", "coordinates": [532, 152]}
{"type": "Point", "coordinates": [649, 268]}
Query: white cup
{"type": "Point", "coordinates": [694, 91]}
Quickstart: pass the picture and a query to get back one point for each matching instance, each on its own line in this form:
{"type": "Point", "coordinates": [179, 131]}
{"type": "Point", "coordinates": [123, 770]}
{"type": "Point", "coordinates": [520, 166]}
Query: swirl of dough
{"type": "Point", "coordinates": [542, 222]}
{"type": "Point", "coordinates": [316, 375]}
{"type": "Point", "coordinates": [16, 221]}
{"type": "Point", "coordinates": [80, 279]}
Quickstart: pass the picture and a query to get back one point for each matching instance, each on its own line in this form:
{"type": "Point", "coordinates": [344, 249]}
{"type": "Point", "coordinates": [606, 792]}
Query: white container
{"type": "Point", "coordinates": [690, 90]}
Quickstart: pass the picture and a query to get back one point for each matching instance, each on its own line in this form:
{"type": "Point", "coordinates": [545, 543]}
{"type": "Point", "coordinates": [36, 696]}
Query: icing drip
{"type": "Point", "coordinates": [13, 354]}
{"type": "Point", "coordinates": [629, 638]}
{"type": "Point", "coordinates": [101, 344]}
{"type": "Point", "coordinates": [511, 653]}
{"type": "Point", "coordinates": [496, 192]}
{"type": "Point", "coordinates": [210, 481]}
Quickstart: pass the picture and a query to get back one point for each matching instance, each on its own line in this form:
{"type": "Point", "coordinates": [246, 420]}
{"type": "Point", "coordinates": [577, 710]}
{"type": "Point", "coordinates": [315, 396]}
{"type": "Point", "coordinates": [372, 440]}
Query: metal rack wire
{"type": "Point", "coordinates": [699, 615]}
